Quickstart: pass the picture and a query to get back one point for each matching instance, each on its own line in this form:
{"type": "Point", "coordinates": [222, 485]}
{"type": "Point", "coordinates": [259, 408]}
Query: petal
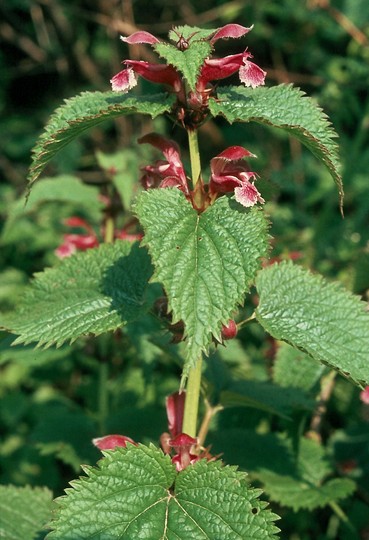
{"type": "Point", "coordinates": [234, 153]}
{"type": "Point", "coordinates": [81, 241]}
{"type": "Point", "coordinates": [65, 250]}
{"type": "Point", "coordinates": [230, 31]}
{"type": "Point", "coordinates": [124, 80]}
{"type": "Point", "coordinates": [224, 183]}
{"type": "Point", "coordinates": [157, 73]}
{"type": "Point", "coordinates": [215, 69]}
{"type": "Point", "coordinates": [364, 395]}
{"type": "Point", "coordinates": [182, 440]}
{"type": "Point", "coordinates": [175, 410]}
{"type": "Point", "coordinates": [251, 74]}
{"type": "Point", "coordinates": [169, 148]}
{"type": "Point", "coordinates": [109, 442]}
{"type": "Point", "coordinates": [231, 154]}
{"type": "Point", "coordinates": [140, 37]}
{"type": "Point", "coordinates": [247, 195]}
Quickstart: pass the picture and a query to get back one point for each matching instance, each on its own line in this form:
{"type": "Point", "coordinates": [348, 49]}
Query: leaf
{"type": "Point", "coordinates": [122, 168]}
{"type": "Point", "coordinates": [206, 262]}
{"type": "Point", "coordinates": [188, 62]}
{"type": "Point", "coordinates": [63, 188]}
{"type": "Point", "coordinates": [294, 368]}
{"type": "Point", "coordinates": [297, 481]}
{"type": "Point", "coordinates": [284, 107]}
{"type": "Point", "coordinates": [23, 511]}
{"type": "Point", "coordinates": [85, 111]}
{"type": "Point", "coordinates": [92, 292]}
{"type": "Point", "coordinates": [316, 316]}
{"type": "Point", "coordinates": [190, 33]}
{"type": "Point", "coordinates": [265, 396]}
{"type": "Point", "coordinates": [136, 494]}
{"type": "Point", "coordinates": [306, 488]}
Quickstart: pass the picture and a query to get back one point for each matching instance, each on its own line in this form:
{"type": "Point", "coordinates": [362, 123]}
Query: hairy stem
{"type": "Point", "coordinates": [192, 399]}
{"type": "Point", "coordinates": [194, 377]}
{"type": "Point", "coordinates": [109, 230]}
{"type": "Point", "coordinates": [193, 143]}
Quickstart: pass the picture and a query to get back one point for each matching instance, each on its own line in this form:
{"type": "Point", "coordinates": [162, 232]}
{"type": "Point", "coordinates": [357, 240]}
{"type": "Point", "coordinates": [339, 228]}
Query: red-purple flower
{"type": "Point", "coordinates": [168, 172]}
{"type": "Point", "coordinates": [182, 445]}
{"type": "Point", "coordinates": [364, 395]}
{"type": "Point", "coordinates": [229, 172]}
{"type": "Point", "coordinates": [109, 442]}
{"type": "Point", "coordinates": [213, 69]}
{"type": "Point", "coordinates": [73, 242]}
{"type": "Point", "coordinates": [77, 242]}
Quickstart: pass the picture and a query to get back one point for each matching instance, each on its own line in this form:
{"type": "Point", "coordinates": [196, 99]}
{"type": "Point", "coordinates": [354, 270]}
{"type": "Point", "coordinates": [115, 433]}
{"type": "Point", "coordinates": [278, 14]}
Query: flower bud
{"type": "Point", "coordinates": [230, 330]}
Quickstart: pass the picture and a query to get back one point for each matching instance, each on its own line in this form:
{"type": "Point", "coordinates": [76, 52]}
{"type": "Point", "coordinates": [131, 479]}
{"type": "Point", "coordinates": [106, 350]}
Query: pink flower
{"type": "Point", "coordinates": [213, 69]}
{"type": "Point", "coordinates": [80, 242]}
{"type": "Point", "coordinates": [230, 173]}
{"type": "Point", "coordinates": [109, 442]}
{"type": "Point", "coordinates": [182, 444]}
{"type": "Point", "coordinates": [164, 173]}
{"type": "Point", "coordinates": [364, 395]}
{"type": "Point", "coordinates": [73, 242]}
{"type": "Point", "coordinates": [175, 409]}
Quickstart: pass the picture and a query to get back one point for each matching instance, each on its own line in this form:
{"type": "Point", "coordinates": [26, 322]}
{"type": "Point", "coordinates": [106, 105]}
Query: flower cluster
{"type": "Point", "coordinates": [186, 451]}
{"type": "Point", "coordinates": [191, 107]}
{"type": "Point", "coordinates": [73, 242]}
{"type": "Point", "coordinates": [229, 173]}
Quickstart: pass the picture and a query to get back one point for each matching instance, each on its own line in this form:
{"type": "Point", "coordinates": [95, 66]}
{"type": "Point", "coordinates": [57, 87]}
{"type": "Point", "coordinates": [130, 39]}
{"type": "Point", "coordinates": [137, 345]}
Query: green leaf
{"type": "Point", "coordinates": [188, 62]}
{"type": "Point", "coordinates": [122, 168]}
{"type": "Point", "coordinates": [190, 33]}
{"type": "Point", "coordinates": [136, 494]}
{"type": "Point", "coordinates": [284, 107]}
{"type": "Point", "coordinates": [23, 511]}
{"type": "Point", "coordinates": [92, 292]}
{"type": "Point", "coordinates": [265, 396]}
{"type": "Point", "coordinates": [294, 368]}
{"type": "Point", "coordinates": [306, 487]}
{"type": "Point", "coordinates": [206, 262]}
{"type": "Point", "coordinates": [316, 316]}
{"type": "Point", "coordinates": [85, 111]}
{"type": "Point", "coordinates": [297, 481]}
{"type": "Point", "coordinates": [63, 188]}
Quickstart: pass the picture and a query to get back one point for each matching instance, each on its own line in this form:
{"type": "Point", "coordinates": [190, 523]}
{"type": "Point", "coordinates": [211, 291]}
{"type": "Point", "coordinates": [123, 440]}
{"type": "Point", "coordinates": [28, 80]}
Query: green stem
{"type": "Point", "coordinates": [109, 230]}
{"type": "Point", "coordinates": [192, 399]}
{"type": "Point", "coordinates": [194, 155]}
{"type": "Point", "coordinates": [194, 377]}
{"type": "Point", "coordinates": [342, 516]}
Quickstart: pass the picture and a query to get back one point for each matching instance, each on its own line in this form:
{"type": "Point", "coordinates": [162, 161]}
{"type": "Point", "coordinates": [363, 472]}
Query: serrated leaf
{"type": "Point", "coordinates": [306, 488]}
{"type": "Point", "coordinates": [318, 317]}
{"type": "Point", "coordinates": [136, 494]}
{"type": "Point", "coordinates": [284, 107]}
{"type": "Point", "coordinates": [188, 62]}
{"type": "Point", "coordinates": [298, 481]}
{"type": "Point", "coordinates": [92, 292]}
{"type": "Point", "coordinates": [206, 262]}
{"type": "Point", "coordinates": [190, 33]}
{"type": "Point", "coordinates": [85, 111]}
{"type": "Point", "coordinates": [23, 511]}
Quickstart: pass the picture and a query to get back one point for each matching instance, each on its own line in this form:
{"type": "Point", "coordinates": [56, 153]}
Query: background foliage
{"type": "Point", "coordinates": [54, 401]}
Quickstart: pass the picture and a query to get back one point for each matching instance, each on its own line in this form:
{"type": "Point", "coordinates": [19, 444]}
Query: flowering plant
{"type": "Point", "coordinates": [199, 251]}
